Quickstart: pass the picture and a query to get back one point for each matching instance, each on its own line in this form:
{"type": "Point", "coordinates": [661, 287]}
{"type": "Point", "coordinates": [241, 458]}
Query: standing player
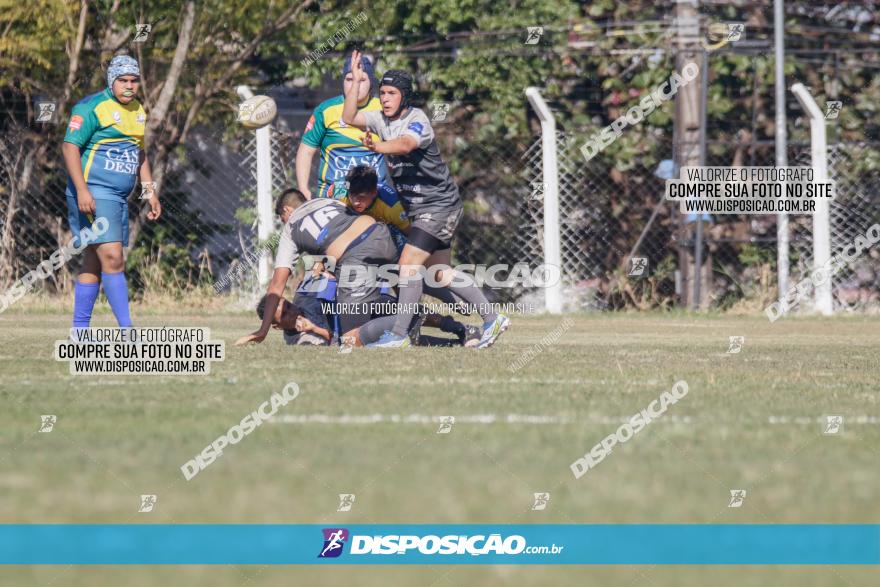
{"type": "Point", "coordinates": [340, 145]}
{"type": "Point", "coordinates": [428, 193]}
{"type": "Point", "coordinates": [104, 155]}
{"type": "Point", "coordinates": [367, 196]}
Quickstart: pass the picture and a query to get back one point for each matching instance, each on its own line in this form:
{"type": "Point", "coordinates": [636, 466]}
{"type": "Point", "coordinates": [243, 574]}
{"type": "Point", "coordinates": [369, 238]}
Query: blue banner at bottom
{"type": "Point", "coordinates": [296, 544]}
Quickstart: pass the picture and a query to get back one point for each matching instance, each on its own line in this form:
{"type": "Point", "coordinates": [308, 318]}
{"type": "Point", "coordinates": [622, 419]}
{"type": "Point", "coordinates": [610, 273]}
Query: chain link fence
{"type": "Point", "coordinates": [207, 235]}
{"type": "Point", "coordinates": [856, 169]}
{"type": "Point", "coordinates": [207, 222]}
{"type": "Point", "coordinates": [608, 217]}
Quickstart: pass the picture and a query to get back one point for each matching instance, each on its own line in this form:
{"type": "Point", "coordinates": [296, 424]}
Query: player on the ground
{"type": "Point", "coordinates": [105, 156]}
{"type": "Point", "coordinates": [303, 323]}
{"type": "Point", "coordinates": [319, 288]}
{"type": "Point", "coordinates": [426, 188]}
{"type": "Point", "coordinates": [339, 145]}
{"type": "Point", "coordinates": [329, 228]}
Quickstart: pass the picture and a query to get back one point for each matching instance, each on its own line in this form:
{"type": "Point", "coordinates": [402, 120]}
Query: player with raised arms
{"type": "Point", "coordinates": [339, 145]}
{"type": "Point", "coordinates": [104, 153]}
{"type": "Point", "coordinates": [427, 191]}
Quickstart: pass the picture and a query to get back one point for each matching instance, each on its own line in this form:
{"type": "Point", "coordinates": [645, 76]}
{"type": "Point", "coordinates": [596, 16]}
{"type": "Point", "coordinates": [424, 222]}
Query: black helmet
{"type": "Point", "coordinates": [401, 80]}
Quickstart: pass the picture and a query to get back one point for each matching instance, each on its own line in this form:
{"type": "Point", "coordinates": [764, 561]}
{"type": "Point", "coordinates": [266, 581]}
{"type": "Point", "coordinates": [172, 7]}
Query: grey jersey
{"type": "Point", "coordinates": [421, 178]}
{"type": "Point", "coordinates": [311, 229]}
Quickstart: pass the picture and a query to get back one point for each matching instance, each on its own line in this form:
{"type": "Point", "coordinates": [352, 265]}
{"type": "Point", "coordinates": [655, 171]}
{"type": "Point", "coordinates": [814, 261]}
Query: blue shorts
{"type": "Point", "coordinates": [115, 211]}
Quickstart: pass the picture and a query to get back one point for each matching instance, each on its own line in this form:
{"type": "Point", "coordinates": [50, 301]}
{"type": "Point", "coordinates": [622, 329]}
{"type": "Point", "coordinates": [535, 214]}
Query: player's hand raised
{"type": "Point", "coordinates": [253, 337]}
{"type": "Point", "coordinates": [357, 68]}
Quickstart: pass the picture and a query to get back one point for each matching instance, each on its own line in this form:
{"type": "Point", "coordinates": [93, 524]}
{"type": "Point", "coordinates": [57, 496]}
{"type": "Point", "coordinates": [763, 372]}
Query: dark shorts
{"type": "Point", "coordinates": [356, 273]}
{"type": "Point", "coordinates": [359, 313]}
{"type": "Point", "coordinates": [433, 231]}
{"type": "Point", "coordinates": [114, 211]}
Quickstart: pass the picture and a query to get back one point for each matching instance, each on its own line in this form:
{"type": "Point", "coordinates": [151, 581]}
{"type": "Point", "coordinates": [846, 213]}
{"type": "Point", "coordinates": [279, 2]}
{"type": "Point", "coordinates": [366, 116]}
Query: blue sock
{"type": "Point", "coordinates": [116, 290]}
{"type": "Point", "coordinates": [84, 296]}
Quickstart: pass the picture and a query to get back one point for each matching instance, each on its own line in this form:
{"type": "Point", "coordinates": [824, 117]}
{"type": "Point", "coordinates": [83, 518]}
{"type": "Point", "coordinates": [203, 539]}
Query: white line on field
{"type": "Point", "coordinates": [848, 419]}
{"type": "Point", "coordinates": [532, 419]}
{"type": "Point", "coordinates": [536, 419]}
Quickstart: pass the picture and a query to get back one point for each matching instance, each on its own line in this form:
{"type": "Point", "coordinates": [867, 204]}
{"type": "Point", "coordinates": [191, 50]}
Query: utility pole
{"type": "Point", "coordinates": [695, 271]}
{"type": "Point", "coordinates": [781, 143]}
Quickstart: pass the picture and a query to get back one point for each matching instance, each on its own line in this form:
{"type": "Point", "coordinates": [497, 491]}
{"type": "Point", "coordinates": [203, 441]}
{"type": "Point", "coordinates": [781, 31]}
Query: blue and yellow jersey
{"type": "Point", "coordinates": [110, 137]}
{"type": "Point", "coordinates": [385, 208]}
{"type": "Point", "coordinates": [340, 144]}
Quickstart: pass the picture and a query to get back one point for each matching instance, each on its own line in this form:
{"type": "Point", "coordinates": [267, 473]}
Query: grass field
{"type": "Point", "coordinates": [750, 421]}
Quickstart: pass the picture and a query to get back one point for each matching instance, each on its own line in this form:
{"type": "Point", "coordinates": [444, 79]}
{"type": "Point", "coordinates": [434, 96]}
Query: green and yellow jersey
{"type": "Point", "coordinates": [385, 208]}
{"type": "Point", "coordinates": [110, 137]}
{"type": "Point", "coordinates": [340, 144]}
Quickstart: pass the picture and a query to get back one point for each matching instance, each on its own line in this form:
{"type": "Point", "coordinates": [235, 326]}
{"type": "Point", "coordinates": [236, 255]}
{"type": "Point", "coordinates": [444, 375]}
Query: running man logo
{"type": "Point", "coordinates": [833, 425]}
{"type": "Point", "coordinates": [720, 34]}
{"type": "Point", "coordinates": [147, 503]}
{"type": "Point", "coordinates": [346, 500]}
{"type": "Point", "coordinates": [46, 111]}
{"type": "Point", "coordinates": [347, 344]}
{"type": "Point", "coordinates": [142, 32]}
{"type": "Point", "coordinates": [538, 188]}
{"type": "Point", "coordinates": [541, 501]}
{"type": "Point", "coordinates": [533, 34]}
{"type": "Point", "coordinates": [735, 31]}
{"type": "Point", "coordinates": [148, 190]}
{"type": "Point", "coordinates": [736, 345]}
{"type": "Point", "coordinates": [334, 541]}
{"type": "Point", "coordinates": [832, 109]}
{"type": "Point", "coordinates": [446, 424]}
{"type": "Point", "coordinates": [737, 497]}
{"type": "Point", "coordinates": [47, 423]}
{"type": "Point", "coordinates": [638, 266]}
{"type": "Point", "coordinates": [439, 110]}
{"type": "Point", "coordinates": [245, 109]}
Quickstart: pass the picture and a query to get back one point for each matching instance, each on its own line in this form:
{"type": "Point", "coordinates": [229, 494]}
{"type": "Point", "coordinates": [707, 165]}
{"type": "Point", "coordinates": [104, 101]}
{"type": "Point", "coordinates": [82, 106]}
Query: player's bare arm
{"type": "Point", "coordinates": [303, 324]}
{"type": "Point", "coordinates": [400, 146]}
{"type": "Point", "coordinates": [148, 187]}
{"type": "Point", "coordinates": [84, 198]}
{"type": "Point", "coordinates": [273, 297]}
{"type": "Point", "coordinates": [304, 156]}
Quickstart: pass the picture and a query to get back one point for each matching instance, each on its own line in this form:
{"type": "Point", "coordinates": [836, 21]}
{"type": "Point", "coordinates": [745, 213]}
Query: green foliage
{"type": "Point", "coordinates": [33, 42]}
{"type": "Point", "coordinates": [753, 255]}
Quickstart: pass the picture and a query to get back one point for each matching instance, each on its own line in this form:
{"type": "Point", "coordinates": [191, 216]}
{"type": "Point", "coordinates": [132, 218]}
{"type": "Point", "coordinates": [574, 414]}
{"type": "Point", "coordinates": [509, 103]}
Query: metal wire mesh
{"type": "Point", "coordinates": [208, 229]}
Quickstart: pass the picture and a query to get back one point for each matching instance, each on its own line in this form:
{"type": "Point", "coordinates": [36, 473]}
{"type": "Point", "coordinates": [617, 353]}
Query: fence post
{"type": "Point", "coordinates": [550, 174]}
{"type": "Point", "coordinates": [782, 246]}
{"type": "Point", "coordinates": [265, 222]}
{"type": "Point", "coordinates": [822, 215]}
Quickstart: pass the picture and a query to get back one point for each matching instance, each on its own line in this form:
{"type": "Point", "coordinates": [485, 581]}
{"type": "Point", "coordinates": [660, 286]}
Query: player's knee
{"type": "Point", "coordinates": [112, 261]}
{"type": "Point", "coordinates": [410, 271]}
{"type": "Point", "coordinates": [440, 276]}
{"type": "Point", "coordinates": [113, 264]}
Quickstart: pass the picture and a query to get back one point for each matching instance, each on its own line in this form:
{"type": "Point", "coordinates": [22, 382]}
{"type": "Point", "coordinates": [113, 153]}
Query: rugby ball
{"type": "Point", "coordinates": [257, 112]}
